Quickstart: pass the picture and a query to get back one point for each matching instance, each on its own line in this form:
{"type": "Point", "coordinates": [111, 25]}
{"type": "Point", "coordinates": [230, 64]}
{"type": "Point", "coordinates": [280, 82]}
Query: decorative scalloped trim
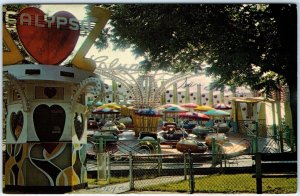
{"type": "Point", "coordinates": [20, 89]}
{"type": "Point", "coordinates": [97, 90]}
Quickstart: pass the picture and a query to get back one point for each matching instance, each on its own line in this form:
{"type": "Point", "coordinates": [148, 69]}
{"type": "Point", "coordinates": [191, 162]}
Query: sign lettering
{"type": "Point", "coordinates": [47, 21]}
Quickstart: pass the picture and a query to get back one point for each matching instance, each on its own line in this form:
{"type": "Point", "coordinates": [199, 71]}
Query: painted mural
{"type": "Point", "coordinates": [44, 105]}
{"type": "Point", "coordinates": [33, 165]}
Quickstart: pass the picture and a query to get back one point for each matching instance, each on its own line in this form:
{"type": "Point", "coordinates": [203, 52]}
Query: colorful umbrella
{"type": "Point", "coordinates": [165, 106]}
{"type": "Point", "coordinates": [98, 103]}
{"type": "Point", "coordinates": [203, 108]}
{"type": "Point", "coordinates": [222, 106]}
{"type": "Point", "coordinates": [105, 111]}
{"type": "Point", "coordinates": [148, 112]}
{"type": "Point", "coordinates": [175, 109]}
{"type": "Point", "coordinates": [194, 115]}
{"type": "Point", "coordinates": [110, 105]}
{"type": "Point", "coordinates": [189, 105]}
{"type": "Point", "coordinates": [216, 113]}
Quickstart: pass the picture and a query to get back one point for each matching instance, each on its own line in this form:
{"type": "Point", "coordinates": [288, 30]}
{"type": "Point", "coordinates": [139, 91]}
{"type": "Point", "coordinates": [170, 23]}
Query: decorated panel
{"type": "Point", "coordinates": [16, 125]}
{"type": "Point", "coordinates": [33, 165]}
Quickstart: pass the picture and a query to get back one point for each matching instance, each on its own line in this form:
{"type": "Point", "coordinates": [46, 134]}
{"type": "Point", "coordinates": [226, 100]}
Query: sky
{"type": "Point", "coordinates": [125, 57]}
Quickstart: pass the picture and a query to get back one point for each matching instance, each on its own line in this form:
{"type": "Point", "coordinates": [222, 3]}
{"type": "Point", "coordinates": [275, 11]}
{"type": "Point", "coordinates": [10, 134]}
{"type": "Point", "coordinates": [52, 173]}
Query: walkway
{"type": "Point", "coordinates": [124, 187]}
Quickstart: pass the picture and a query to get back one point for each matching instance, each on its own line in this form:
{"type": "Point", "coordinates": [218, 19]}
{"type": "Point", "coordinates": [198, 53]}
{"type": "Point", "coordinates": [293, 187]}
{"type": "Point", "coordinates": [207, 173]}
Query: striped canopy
{"type": "Point", "coordinates": [194, 115]}
{"type": "Point", "coordinates": [222, 106]}
{"type": "Point", "coordinates": [216, 113]}
{"type": "Point", "coordinates": [189, 105]}
{"type": "Point", "coordinates": [203, 108]}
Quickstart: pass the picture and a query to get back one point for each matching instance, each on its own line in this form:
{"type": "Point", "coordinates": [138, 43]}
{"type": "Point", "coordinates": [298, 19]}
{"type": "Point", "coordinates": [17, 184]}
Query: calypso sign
{"type": "Point", "coordinates": [50, 40]}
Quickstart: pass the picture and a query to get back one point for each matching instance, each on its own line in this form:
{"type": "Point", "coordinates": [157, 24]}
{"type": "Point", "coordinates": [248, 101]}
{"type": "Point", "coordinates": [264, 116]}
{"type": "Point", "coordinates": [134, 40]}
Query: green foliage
{"type": "Point", "coordinates": [238, 44]}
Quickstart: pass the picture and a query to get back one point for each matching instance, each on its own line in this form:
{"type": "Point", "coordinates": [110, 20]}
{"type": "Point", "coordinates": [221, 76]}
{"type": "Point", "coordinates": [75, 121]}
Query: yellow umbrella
{"type": "Point", "coordinates": [111, 106]}
{"type": "Point", "coordinates": [203, 108]}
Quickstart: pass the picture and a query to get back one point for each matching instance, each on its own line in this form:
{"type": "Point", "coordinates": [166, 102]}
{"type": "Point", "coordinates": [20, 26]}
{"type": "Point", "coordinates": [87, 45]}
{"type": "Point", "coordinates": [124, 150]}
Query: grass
{"type": "Point", "coordinates": [237, 183]}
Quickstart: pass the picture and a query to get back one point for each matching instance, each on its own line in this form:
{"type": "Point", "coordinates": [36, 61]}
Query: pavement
{"type": "Point", "coordinates": [108, 189]}
{"type": "Point", "coordinates": [124, 188]}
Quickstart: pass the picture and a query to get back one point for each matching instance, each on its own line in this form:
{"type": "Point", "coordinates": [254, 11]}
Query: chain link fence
{"type": "Point", "coordinates": [192, 173]}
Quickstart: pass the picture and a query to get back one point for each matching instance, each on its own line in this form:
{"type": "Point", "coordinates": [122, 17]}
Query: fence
{"type": "Point", "coordinates": [201, 173]}
{"type": "Point", "coordinates": [219, 172]}
{"type": "Point", "coordinates": [272, 133]}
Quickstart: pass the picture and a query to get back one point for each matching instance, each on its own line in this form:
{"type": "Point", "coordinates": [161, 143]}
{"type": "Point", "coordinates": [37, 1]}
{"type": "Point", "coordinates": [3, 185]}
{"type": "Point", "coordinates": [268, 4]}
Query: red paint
{"type": "Point", "coordinates": [47, 45]}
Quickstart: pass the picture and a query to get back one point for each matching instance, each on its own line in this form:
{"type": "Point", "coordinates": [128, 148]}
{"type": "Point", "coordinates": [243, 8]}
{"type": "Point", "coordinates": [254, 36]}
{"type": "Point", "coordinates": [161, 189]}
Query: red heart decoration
{"type": "Point", "coordinates": [47, 45]}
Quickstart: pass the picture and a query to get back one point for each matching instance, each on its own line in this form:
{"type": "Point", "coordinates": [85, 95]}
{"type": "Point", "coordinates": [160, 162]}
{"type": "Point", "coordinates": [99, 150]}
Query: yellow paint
{"type": "Point", "coordinates": [262, 111]}
{"type": "Point", "coordinates": [20, 178]}
{"type": "Point", "coordinates": [69, 173]}
{"type": "Point", "coordinates": [75, 178]}
{"type": "Point", "coordinates": [239, 112]}
{"type": "Point", "coordinates": [61, 180]}
{"type": "Point", "coordinates": [102, 15]}
{"type": "Point", "coordinates": [12, 56]}
{"type": "Point", "coordinates": [24, 154]}
{"type": "Point", "coordinates": [8, 166]}
{"type": "Point", "coordinates": [9, 163]}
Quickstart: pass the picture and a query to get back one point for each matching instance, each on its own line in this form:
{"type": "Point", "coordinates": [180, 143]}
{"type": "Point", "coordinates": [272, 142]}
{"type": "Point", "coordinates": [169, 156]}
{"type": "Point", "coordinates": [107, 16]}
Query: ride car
{"type": "Point", "coordinates": [147, 143]}
{"type": "Point", "coordinates": [171, 137]}
{"type": "Point", "coordinates": [92, 123]}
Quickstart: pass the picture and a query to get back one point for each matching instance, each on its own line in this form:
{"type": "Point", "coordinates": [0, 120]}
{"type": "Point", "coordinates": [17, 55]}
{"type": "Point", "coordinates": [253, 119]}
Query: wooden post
{"type": "Point", "coordinates": [191, 179]}
{"type": "Point", "coordinates": [256, 137]}
{"type": "Point", "coordinates": [214, 151]}
{"type": "Point", "coordinates": [184, 166]}
{"type": "Point", "coordinates": [160, 157]}
{"type": "Point", "coordinates": [108, 168]}
{"type": "Point", "coordinates": [258, 173]}
{"type": "Point", "coordinates": [99, 157]}
{"type": "Point", "coordinates": [131, 180]}
{"type": "Point", "coordinates": [274, 120]}
{"type": "Point", "coordinates": [281, 141]}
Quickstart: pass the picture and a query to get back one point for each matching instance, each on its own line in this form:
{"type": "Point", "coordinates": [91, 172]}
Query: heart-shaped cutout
{"type": "Point", "coordinates": [78, 125]}
{"type": "Point", "coordinates": [49, 123]}
{"type": "Point", "coordinates": [48, 41]}
{"type": "Point", "coordinates": [16, 124]}
{"type": "Point", "coordinates": [50, 92]}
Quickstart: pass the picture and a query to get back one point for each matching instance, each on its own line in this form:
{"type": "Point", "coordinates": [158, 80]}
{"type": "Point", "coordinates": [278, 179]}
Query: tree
{"type": "Point", "coordinates": [242, 44]}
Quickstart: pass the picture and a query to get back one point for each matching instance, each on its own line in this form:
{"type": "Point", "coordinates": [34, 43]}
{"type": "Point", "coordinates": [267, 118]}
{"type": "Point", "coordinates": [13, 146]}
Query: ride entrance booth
{"type": "Point", "coordinates": [46, 113]}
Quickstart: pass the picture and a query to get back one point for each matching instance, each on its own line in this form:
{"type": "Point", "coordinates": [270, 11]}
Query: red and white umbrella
{"type": "Point", "coordinates": [222, 106]}
{"type": "Point", "coordinates": [189, 105]}
{"type": "Point", "coordinates": [194, 115]}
